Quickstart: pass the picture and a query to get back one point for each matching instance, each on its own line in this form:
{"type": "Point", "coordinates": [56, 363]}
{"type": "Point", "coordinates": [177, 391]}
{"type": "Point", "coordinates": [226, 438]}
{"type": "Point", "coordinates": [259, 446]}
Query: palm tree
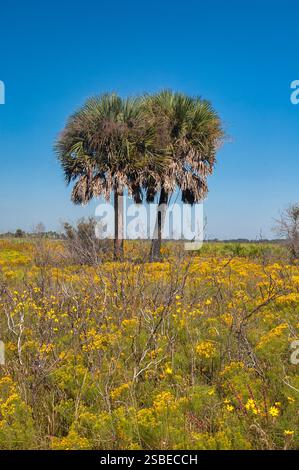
{"type": "Point", "coordinates": [108, 146]}
{"type": "Point", "coordinates": [190, 131]}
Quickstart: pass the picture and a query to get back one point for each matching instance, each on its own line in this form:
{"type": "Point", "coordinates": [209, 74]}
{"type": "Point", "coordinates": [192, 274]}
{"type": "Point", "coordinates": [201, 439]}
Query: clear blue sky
{"type": "Point", "coordinates": [240, 55]}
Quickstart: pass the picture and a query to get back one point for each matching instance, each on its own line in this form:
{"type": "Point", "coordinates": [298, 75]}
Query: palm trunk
{"type": "Point", "coordinates": [118, 225]}
{"type": "Point", "coordinates": [155, 253]}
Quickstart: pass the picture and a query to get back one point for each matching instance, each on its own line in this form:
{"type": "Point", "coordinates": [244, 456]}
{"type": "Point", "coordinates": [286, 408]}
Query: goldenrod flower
{"type": "Point", "coordinates": [206, 349]}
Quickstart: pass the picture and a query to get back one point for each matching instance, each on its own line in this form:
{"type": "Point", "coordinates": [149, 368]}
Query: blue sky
{"type": "Point", "coordinates": [240, 55]}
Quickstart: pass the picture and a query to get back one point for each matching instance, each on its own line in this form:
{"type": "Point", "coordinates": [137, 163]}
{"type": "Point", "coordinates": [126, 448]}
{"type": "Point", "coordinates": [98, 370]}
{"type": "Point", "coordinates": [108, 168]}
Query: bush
{"type": "Point", "coordinates": [82, 244]}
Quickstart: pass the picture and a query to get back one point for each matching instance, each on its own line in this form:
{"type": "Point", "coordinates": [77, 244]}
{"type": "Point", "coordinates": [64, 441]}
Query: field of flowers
{"type": "Point", "coordinates": [190, 353]}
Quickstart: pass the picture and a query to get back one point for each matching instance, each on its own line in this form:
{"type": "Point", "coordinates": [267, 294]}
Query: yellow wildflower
{"type": "Point", "coordinates": [230, 408]}
{"type": "Point", "coordinates": [117, 392]}
{"type": "Point", "coordinates": [287, 432]}
{"type": "Point", "coordinates": [251, 406]}
{"type": "Point", "coordinates": [164, 401]}
{"type": "Point", "coordinates": [206, 349]}
{"type": "Point", "coordinates": [274, 411]}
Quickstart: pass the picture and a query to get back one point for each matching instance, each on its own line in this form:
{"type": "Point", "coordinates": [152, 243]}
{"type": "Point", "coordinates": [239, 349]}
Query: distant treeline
{"type": "Point", "coordinates": [244, 240]}
{"type": "Point", "coordinates": [19, 233]}
{"type": "Point", "coordinates": [22, 234]}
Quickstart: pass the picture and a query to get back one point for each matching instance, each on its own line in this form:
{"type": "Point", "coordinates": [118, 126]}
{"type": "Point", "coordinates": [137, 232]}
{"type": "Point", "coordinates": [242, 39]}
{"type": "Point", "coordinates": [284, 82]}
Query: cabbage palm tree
{"type": "Point", "coordinates": [108, 146]}
{"type": "Point", "coordinates": [190, 131]}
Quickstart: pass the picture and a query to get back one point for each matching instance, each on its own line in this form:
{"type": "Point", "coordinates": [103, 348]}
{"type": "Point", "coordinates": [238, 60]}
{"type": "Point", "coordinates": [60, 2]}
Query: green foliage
{"type": "Point", "coordinates": [16, 422]}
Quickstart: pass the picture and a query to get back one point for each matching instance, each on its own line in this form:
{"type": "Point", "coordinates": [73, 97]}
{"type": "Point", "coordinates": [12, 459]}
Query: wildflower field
{"type": "Point", "coordinates": [190, 353]}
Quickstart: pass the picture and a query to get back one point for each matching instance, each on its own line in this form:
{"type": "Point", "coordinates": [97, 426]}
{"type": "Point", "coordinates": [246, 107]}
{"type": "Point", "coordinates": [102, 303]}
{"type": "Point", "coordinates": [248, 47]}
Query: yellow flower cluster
{"type": "Point", "coordinates": [251, 406]}
{"type": "Point", "coordinates": [164, 401]}
{"type": "Point", "coordinates": [206, 350]}
{"type": "Point", "coordinates": [272, 335]}
{"type": "Point", "coordinates": [117, 392]}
